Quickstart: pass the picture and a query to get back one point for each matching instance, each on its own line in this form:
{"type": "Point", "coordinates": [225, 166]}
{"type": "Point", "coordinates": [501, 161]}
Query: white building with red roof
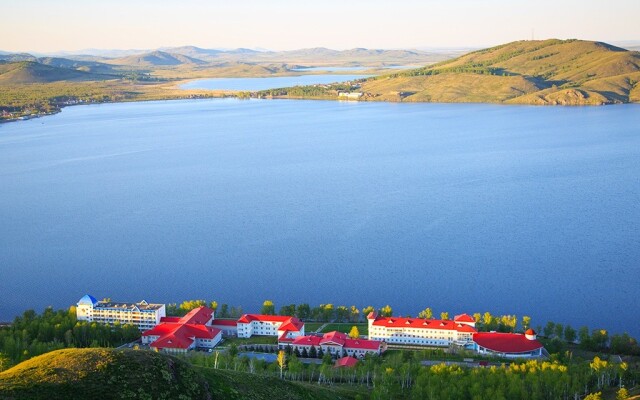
{"type": "Point", "coordinates": [422, 332]}
{"type": "Point", "coordinates": [508, 345]}
{"type": "Point", "coordinates": [181, 334]}
{"type": "Point", "coordinates": [336, 343]}
{"type": "Point", "coordinates": [229, 327]}
{"type": "Point", "coordinates": [284, 327]}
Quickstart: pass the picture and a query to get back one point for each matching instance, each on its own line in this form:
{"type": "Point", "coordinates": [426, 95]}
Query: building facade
{"type": "Point", "coordinates": [284, 327]}
{"type": "Point", "coordinates": [180, 335]}
{"type": "Point", "coordinates": [422, 332]}
{"type": "Point", "coordinates": [335, 343]}
{"type": "Point", "coordinates": [142, 314]}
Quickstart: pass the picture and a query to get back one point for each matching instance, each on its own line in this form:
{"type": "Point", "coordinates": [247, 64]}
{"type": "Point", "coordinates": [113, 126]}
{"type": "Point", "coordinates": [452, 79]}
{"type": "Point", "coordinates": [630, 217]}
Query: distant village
{"type": "Point", "coordinates": [200, 330]}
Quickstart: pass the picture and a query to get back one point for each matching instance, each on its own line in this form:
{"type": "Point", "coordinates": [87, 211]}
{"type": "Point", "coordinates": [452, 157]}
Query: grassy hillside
{"type": "Point", "coordinates": [102, 374]}
{"type": "Point", "coordinates": [553, 71]}
{"type": "Point", "coordinates": [116, 374]}
{"type": "Point", "coordinates": [33, 72]}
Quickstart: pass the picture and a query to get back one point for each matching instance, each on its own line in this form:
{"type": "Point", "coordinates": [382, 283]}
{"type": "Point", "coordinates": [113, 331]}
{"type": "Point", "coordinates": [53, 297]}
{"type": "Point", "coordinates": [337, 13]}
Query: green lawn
{"type": "Point", "coordinates": [312, 326]}
{"type": "Point", "coordinates": [346, 327]}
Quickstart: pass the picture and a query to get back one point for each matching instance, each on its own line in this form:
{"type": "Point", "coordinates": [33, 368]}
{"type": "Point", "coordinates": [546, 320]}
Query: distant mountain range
{"type": "Point", "coordinates": [171, 56]}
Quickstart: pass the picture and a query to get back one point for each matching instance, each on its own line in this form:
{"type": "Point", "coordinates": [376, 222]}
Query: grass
{"type": "Point", "coordinates": [102, 373]}
{"type": "Point", "coordinates": [225, 384]}
{"type": "Point", "coordinates": [312, 326]}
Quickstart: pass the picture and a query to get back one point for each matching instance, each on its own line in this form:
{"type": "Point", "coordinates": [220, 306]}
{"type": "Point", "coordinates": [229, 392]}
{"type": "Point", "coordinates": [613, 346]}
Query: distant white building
{"type": "Point", "coordinates": [283, 327]}
{"type": "Point", "coordinates": [142, 314]}
{"type": "Point", "coordinates": [422, 332]}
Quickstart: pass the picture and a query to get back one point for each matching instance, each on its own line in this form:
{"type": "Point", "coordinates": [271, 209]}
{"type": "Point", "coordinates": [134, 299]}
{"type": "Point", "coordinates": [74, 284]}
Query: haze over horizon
{"type": "Point", "coordinates": [72, 25]}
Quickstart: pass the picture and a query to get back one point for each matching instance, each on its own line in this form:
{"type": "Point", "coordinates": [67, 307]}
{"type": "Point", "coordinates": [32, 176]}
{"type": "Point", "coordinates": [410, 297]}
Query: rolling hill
{"type": "Point", "coordinates": [117, 374]}
{"type": "Point", "coordinates": [33, 72]}
{"type": "Point", "coordinates": [567, 72]}
{"type": "Point", "coordinates": [156, 59]}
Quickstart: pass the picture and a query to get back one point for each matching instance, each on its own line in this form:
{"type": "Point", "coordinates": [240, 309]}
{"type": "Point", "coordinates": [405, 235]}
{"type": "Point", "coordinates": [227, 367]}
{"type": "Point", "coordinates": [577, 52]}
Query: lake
{"type": "Point", "coordinates": [255, 84]}
{"type": "Point", "coordinates": [457, 207]}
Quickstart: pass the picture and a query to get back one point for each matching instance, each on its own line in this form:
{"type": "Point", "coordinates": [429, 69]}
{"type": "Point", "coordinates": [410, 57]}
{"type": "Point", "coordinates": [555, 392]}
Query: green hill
{"type": "Point", "coordinates": [116, 374]}
{"type": "Point", "coordinates": [553, 71]}
{"type": "Point", "coordinates": [33, 72]}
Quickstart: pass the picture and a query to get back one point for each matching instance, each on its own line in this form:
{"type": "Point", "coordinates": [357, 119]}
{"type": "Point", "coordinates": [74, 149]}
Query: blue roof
{"type": "Point", "coordinates": [88, 299]}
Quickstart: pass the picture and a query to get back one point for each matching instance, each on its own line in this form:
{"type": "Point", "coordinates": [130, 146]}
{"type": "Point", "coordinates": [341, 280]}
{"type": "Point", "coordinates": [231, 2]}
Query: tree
{"type": "Point", "coordinates": [600, 339]}
{"type": "Point", "coordinates": [594, 396]}
{"type": "Point", "coordinates": [282, 360]}
{"type": "Point", "coordinates": [289, 310]}
{"type": "Point", "coordinates": [367, 310]}
{"type": "Point", "coordinates": [342, 313]}
{"type": "Point", "coordinates": [487, 320]}
{"type": "Point", "coordinates": [526, 322]}
{"type": "Point", "coordinates": [623, 394]}
{"type": "Point", "coordinates": [224, 310]}
{"type": "Point", "coordinates": [4, 362]}
{"type": "Point", "coordinates": [569, 334]}
{"type": "Point", "coordinates": [585, 338]}
{"type": "Point", "coordinates": [386, 311]}
{"type": "Point", "coordinates": [313, 353]}
{"type": "Point", "coordinates": [303, 311]}
{"type": "Point", "coordinates": [559, 331]}
{"type": "Point", "coordinates": [444, 315]}
{"type": "Point", "coordinates": [354, 314]}
{"type": "Point", "coordinates": [268, 308]}
{"type": "Point", "coordinates": [354, 333]}
{"type": "Point", "coordinates": [214, 305]}
{"type": "Point", "coordinates": [426, 313]}
{"type": "Point", "coordinates": [549, 329]}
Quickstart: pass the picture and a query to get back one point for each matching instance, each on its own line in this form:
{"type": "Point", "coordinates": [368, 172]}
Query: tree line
{"type": "Point", "coordinates": [32, 334]}
{"type": "Point", "coordinates": [402, 375]}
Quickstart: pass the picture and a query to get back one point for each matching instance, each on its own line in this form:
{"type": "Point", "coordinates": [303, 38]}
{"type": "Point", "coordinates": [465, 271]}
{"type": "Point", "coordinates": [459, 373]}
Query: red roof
{"type": "Point", "coordinates": [307, 341]}
{"type": "Point", "coordinates": [169, 319]}
{"type": "Point", "coordinates": [362, 344]}
{"type": "Point", "coordinates": [337, 338]}
{"type": "Point", "coordinates": [464, 318]}
{"type": "Point", "coordinates": [287, 323]}
{"type": "Point", "coordinates": [181, 333]}
{"type": "Point", "coordinates": [225, 322]}
{"type": "Point", "coordinates": [418, 323]}
{"type": "Point", "coordinates": [200, 315]}
{"type": "Point", "coordinates": [506, 342]}
{"type": "Point", "coordinates": [346, 362]}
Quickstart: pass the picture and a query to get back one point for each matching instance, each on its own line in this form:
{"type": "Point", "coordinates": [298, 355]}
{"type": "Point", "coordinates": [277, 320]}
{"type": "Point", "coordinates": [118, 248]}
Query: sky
{"type": "Point", "coordinates": [49, 26]}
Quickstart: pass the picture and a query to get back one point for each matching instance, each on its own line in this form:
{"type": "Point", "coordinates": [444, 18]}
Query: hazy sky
{"type": "Point", "coordinates": [52, 25]}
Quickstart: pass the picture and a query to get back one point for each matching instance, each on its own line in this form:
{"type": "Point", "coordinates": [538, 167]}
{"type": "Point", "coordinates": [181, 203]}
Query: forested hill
{"type": "Point", "coordinates": [568, 72]}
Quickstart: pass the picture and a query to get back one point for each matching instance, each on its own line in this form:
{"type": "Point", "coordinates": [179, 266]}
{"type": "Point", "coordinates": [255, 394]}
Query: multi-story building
{"type": "Point", "coordinates": [335, 343]}
{"type": "Point", "coordinates": [142, 314]}
{"type": "Point", "coordinates": [181, 334]}
{"type": "Point", "coordinates": [422, 332]}
{"type": "Point", "coordinates": [283, 327]}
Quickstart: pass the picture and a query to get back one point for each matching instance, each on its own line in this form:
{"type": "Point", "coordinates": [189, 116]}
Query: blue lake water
{"type": "Point", "coordinates": [253, 84]}
{"type": "Point", "coordinates": [458, 207]}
